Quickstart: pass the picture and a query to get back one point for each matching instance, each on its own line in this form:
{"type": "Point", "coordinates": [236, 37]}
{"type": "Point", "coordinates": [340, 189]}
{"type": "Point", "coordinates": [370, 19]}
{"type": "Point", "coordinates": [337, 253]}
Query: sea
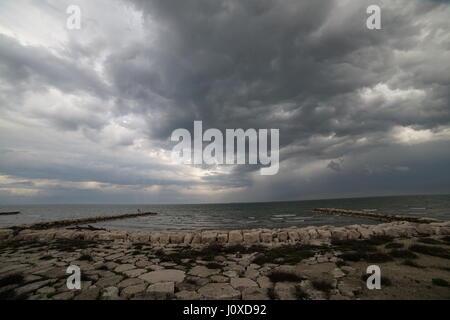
{"type": "Point", "coordinates": [228, 216]}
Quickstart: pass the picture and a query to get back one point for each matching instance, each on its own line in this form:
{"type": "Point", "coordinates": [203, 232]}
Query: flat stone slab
{"type": "Point", "coordinates": [108, 282]}
{"type": "Point", "coordinates": [161, 290]}
{"type": "Point", "coordinates": [219, 291]}
{"type": "Point", "coordinates": [285, 291]}
{"type": "Point", "coordinates": [134, 272]}
{"type": "Point", "coordinates": [241, 283]}
{"type": "Point", "coordinates": [202, 271]}
{"type": "Point", "coordinates": [130, 282]}
{"type": "Point", "coordinates": [32, 287]}
{"type": "Point", "coordinates": [187, 295]}
{"type": "Point", "coordinates": [110, 293]}
{"type": "Point", "coordinates": [176, 276]}
{"type": "Point", "coordinates": [133, 290]}
{"type": "Point", "coordinates": [254, 294]}
{"type": "Point", "coordinates": [124, 267]}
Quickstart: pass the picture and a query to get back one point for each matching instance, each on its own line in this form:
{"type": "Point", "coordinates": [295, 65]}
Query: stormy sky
{"type": "Point", "coordinates": [86, 115]}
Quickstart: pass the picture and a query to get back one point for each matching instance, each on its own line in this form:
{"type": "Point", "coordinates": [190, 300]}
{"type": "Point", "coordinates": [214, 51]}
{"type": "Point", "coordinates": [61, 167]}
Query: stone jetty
{"type": "Point", "coordinates": [374, 215]}
{"type": "Point", "coordinates": [69, 222]}
{"type": "Point", "coordinates": [12, 213]}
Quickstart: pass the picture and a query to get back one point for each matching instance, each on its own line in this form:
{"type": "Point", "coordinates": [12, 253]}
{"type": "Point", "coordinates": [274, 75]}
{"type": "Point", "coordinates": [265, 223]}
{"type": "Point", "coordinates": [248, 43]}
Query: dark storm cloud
{"type": "Point", "coordinates": [236, 63]}
{"type": "Point", "coordinates": [37, 68]}
{"type": "Point", "coordinates": [294, 65]}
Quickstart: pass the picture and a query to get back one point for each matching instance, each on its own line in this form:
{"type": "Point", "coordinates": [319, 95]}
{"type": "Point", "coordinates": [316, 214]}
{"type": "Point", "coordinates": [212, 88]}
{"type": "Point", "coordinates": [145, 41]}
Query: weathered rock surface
{"type": "Point", "coordinates": [219, 291]}
{"type": "Point", "coordinates": [176, 276]}
{"type": "Point", "coordinates": [161, 290]}
{"type": "Point", "coordinates": [241, 283]}
{"type": "Point", "coordinates": [202, 271]}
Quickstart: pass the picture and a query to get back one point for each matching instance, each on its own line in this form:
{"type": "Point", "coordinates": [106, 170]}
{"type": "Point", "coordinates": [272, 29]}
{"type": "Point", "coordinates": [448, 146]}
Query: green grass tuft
{"type": "Point", "coordinates": [281, 276]}
{"type": "Point", "coordinates": [288, 255]}
{"type": "Point", "coordinates": [300, 294]}
{"type": "Point", "coordinates": [405, 254]}
{"type": "Point", "coordinates": [431, 251]}
{"type": "Point", "coordinates": [429, 241]}
{"type": "Point", "coordinates": [11, 279]}
{"type": "Point", "coordinates": [394, 245]}
{"type": "Point", "coordinates": [322, 285]}
{"type": "Point", "coordinates": [411, 263]}
{"type": "Point", "coordinates": [213, 265]}
{"type": "Point", "coordinates": [440, 282]}
{"type": "Point", "coordinates": [341, 263]}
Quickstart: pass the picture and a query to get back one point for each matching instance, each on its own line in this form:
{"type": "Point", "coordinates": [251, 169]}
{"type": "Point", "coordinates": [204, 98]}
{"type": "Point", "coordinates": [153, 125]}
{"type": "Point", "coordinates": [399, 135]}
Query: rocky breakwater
{"type": "Point", "coordinates": [374, 215]}
{"type": "Point", "coordinates": [71, 222]}
{"type": "Point", "coordinates": [268, 237]}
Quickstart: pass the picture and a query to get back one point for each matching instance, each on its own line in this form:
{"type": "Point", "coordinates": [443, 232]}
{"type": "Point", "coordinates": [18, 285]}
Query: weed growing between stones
{"type": "Point", "coordinates": [354, 245]}
{"type": "Point", "coordinates": [271, 294]}
{"type": "Point", "coordinates": [378, 257]}
{"type": "Point", "coordinates": [322, 285]}
{"type": "Point", "coordinates": [11, 279]}
{"type": "Point", "coordinates": [286, 255]}
{"type": "Point", "coordinates": [48, 257]}
{"type": "Point", "coordinates": [341, 264]}
{"type": "Point", "coordinates": [353, 256]}
{"type": "Point", "coordinates": [375, 257]}
{"type": "Point", "coordinates": [431, 251]}
{"type": "Point", "coordinates": [411, 263]}
{"type": "Point", "coordinates": [385, 281]}
{"type": "Point", "coordinates": [280, 276]}
{"type": "Point", "coordinates": [394, 245]}
{"type": "Point", "coordinates": [444, 268]}
{"type": "Point", "coordinates": [11, 295]}
{"type": "Point", "coordinates": [405, 254]}
{"type": "Point", "coordinates": [69, 245]}
{"type": "Point", "coordinates": [213, 265]}
{"type": "Point", "coordinates": [429, 241]}
{"type": "Point", "coordinates": [440, 282]}
{"type": "Point", "coordinates": [85, 257]}
{"type": "Point", "coordinates": [300, 294]}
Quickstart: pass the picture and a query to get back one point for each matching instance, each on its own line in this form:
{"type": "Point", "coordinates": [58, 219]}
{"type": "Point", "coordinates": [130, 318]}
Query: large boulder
{"type": "Point", "coordinates": [209, 237]}
{"type": "Point", "coordinates": [235, 237]}
{"type": "Point", "coordinates": [251, 237]}
{"type": "Point", "coordinates": [177, 238]}
{"type": "Point", "coordinates": [266, 237]}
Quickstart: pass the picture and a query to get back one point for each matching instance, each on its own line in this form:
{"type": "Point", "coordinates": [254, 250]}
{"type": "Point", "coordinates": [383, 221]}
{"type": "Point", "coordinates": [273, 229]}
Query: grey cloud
{"type": "Point", "coordinates": [37, 68]}
{"type": "Point", "coordinates": [299, 66]}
